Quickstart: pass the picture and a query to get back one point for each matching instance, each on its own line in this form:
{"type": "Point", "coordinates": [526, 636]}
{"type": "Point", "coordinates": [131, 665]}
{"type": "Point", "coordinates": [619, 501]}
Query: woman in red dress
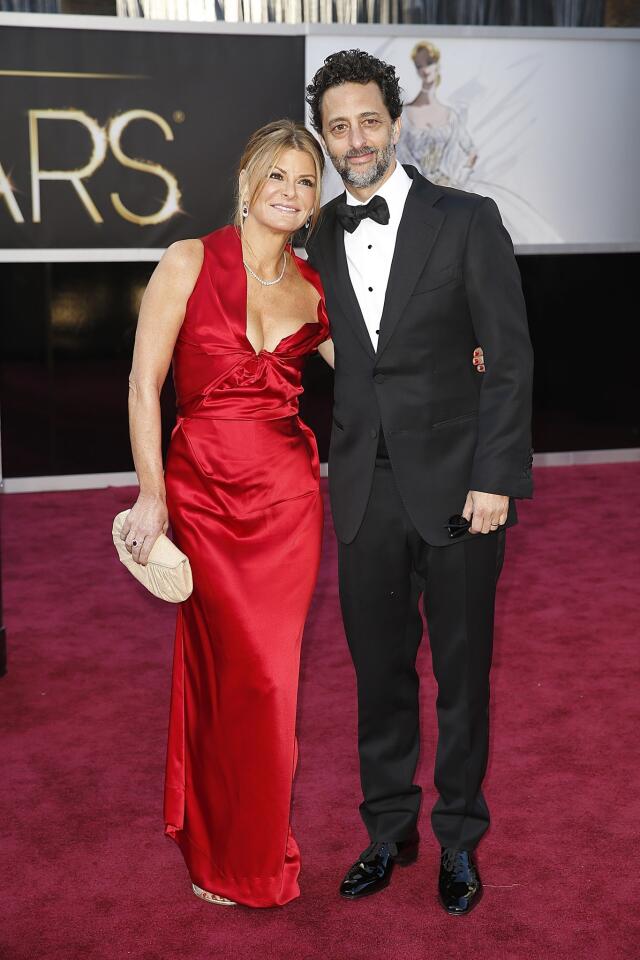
{"type": "Point", "coordinates": [237, 313]}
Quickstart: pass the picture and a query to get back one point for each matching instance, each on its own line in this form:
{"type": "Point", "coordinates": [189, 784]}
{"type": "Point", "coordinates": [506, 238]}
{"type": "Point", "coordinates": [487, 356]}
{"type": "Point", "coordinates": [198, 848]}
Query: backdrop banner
{"type": "Point", "coordinates": [549, 128]}
{"type": "Point", "coordinates": [131, 139]}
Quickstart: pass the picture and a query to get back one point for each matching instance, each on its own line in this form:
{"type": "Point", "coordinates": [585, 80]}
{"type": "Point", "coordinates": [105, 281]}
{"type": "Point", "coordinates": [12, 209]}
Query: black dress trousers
{"type": "Point", "coordinates": [383, 573]}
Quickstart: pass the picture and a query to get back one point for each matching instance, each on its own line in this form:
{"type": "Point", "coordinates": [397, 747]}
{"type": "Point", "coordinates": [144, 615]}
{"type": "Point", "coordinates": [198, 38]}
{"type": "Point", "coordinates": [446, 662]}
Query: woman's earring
{"type": "Point", "coordinates": [308, 223]}
{"type": "Point", "coordinates": [245, 210]}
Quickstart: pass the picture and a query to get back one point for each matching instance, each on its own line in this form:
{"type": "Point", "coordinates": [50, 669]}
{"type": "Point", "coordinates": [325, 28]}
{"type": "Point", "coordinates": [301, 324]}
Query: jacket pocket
{"type": "Point", "coordinates": [435, 280]}
{"type": "Point", "coordinates": [463, 418]}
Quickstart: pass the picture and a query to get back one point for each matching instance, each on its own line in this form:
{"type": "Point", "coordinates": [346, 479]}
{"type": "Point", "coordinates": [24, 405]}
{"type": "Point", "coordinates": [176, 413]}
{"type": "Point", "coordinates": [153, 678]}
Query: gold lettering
{"type": "Point", "coordinates": [78, 174]}
{"type": "Point", "coordinates": [171, 204]}
{"type": "Point", "coordinates": [6, 191]}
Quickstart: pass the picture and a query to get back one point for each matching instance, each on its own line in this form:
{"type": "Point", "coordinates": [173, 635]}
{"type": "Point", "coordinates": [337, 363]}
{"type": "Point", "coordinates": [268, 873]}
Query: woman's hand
{"type": "Point", "coordinates": [478, 359]}
{"type": "Point", "coordinates": [147, 519]}
{"type": "Point", "coordinates": [326, 351]}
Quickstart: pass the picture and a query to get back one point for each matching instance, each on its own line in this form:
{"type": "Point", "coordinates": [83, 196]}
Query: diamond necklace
{"type": "Point", "coordinates": [268, 283]}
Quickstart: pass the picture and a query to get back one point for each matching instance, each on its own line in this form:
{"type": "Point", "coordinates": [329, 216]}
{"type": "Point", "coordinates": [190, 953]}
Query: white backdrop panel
{"type": "Point", "coordinates": [553, 122]}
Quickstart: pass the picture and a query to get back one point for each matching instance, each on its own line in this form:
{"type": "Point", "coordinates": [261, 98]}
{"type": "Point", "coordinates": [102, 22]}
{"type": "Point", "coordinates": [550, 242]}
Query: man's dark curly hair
{"type": "Point", "coordinates": [354, 66]}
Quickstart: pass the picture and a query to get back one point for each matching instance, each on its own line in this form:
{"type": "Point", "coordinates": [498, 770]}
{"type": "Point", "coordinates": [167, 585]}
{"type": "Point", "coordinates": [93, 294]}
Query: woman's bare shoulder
{"type": "Point", "coordinates": [179, 266]}
{"type": "Point", "coordinates": [184, 255]}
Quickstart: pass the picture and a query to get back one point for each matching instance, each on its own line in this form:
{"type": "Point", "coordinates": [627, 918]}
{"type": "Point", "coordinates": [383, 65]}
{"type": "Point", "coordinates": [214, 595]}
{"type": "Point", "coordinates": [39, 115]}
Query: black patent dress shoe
{"type": "Point", "coordinates": [372, 872]}
{"type": "Point", "coordinates": [459, 885]}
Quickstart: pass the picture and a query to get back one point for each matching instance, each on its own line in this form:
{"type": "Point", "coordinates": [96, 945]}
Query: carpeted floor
{"type": "Point", "coordinates": [87, 874]}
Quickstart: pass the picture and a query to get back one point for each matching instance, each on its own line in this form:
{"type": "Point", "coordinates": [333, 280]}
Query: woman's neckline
{"type": "Point", "coordinates": [295, 258]}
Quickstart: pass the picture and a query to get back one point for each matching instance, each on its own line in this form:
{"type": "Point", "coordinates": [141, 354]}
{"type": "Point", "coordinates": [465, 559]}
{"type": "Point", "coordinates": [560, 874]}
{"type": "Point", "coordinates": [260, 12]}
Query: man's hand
{"type": "Point", "coordinates": [487, 511]}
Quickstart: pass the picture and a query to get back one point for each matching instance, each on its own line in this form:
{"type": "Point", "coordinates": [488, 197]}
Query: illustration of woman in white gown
{"type": "Point", "coordinates": [435, 139]}
{"type": "Point", "coordinates": [434, 136]}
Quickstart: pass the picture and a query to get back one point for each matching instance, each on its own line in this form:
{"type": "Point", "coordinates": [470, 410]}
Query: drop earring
{"type": "Point", "coordinates": [245, 210]}
{"type": "Point", "coordinates": [308, 223]}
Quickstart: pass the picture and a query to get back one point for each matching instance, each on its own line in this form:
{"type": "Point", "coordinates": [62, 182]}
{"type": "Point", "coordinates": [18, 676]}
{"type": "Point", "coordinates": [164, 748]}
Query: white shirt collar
{"type": "Point", "coordinates": [394, 190]}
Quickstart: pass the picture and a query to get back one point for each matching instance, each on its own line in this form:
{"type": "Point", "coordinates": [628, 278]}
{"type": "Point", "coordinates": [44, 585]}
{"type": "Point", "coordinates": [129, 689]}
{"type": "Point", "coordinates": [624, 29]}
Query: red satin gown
{"type": "Point", "coordinates": [242, 479]}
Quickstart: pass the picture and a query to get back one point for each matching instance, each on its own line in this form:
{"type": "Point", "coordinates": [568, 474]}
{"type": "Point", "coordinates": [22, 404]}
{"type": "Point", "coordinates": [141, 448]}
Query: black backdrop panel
{"type": "Point", "coordinates": [66, 344]}
{"type": "Point", "coordinates": [153, 124]}
{"type": "Point", "coordinates": [69, 328]}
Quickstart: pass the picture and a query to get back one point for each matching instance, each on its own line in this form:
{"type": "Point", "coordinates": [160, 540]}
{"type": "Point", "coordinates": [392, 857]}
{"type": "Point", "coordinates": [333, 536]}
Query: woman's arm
{"type": "Point", "coordinates": [161, 315]}
{"type": "Point", "coordinates": [327, 353]}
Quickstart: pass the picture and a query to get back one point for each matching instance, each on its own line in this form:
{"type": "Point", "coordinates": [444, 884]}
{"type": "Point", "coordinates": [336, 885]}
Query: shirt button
{"type": "Point", "coordinates": [370, 289]}
{"type": "Point", "coordinates": [369, 247]}
{"type": "Point", "coordinates": [379, 378]}
{"type": "Point", "coordinates": [377, 332]}
{"type": "Point", "coordinates": [374, 433]}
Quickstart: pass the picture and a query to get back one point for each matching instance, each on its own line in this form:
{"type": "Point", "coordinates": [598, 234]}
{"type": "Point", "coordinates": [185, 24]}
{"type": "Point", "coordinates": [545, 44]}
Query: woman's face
{"type": "Point", "coordinates": [427, 68]}
{"type": "Point", "coordinates": [288, 195]}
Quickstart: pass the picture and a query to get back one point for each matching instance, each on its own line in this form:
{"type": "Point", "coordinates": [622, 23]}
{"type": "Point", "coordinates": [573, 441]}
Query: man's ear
{"type": "Point", "coordinates": [397, 127]}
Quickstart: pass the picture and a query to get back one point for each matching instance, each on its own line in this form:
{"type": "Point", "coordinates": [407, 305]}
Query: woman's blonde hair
{"type": "Point", "coordinates": [432, 52]}
{"type": "Point", "coordinates": [261, 155]}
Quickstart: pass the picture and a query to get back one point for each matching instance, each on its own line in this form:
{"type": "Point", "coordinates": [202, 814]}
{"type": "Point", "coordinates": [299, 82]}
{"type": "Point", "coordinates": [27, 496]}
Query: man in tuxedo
{"type": "Point", "coordinates": [415, 275]}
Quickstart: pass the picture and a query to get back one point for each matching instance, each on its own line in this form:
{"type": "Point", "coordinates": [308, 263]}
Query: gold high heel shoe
{"type": "Point", "coordinates": [212, 897]}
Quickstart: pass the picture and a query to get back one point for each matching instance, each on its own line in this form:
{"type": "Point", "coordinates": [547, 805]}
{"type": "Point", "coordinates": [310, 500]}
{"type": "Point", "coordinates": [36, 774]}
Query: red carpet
{"type": "Point", "coordinates": [88, 874]}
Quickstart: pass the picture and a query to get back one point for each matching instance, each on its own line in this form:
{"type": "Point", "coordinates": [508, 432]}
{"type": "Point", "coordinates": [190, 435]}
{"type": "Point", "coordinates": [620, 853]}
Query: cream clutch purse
{"type": "Point", "coordinates": [167, 573]}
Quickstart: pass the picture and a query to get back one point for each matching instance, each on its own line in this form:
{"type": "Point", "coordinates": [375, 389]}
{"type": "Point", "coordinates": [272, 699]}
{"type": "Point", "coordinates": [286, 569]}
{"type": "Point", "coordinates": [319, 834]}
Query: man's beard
{"type": "Point", "coordinates": [364, 178]}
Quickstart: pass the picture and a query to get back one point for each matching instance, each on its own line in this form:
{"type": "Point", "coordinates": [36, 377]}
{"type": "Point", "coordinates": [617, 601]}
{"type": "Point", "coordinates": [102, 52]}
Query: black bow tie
{"type": "Point", "coordinates": [350, 215]}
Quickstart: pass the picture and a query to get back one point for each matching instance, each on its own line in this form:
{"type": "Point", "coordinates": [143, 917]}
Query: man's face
{"type": "Point", "coordinates": [358, 133]}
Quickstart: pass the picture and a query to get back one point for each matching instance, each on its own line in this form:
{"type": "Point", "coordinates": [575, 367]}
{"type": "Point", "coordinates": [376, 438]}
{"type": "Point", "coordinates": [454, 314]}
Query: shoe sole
{"type": "Point", "coordinates": [215, 899]}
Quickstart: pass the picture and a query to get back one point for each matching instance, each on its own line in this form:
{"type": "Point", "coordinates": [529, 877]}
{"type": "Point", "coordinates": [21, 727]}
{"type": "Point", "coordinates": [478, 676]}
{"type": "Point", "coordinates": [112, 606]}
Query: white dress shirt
{"type": "Point", "coordinates": [370, 247]}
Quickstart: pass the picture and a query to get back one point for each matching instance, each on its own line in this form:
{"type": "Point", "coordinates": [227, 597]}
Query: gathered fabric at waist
{"type": "Point", "coordinates": [244, 465]}
{"type": "Point", "coordinates": [243, 429]}
{"type": "Point", "coordinates": [201, 413]}
{"type": "Point", "coordinates": [230, 407]}
{"type": "Point", "coordinates": [243, 387]}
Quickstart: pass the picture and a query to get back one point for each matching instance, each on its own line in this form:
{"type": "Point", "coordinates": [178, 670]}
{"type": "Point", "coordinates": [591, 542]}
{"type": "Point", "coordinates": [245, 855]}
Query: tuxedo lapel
{"type": "Point", "coordinates": [338, 270]}
{"type": "Point", "coordinates": [417, 234]}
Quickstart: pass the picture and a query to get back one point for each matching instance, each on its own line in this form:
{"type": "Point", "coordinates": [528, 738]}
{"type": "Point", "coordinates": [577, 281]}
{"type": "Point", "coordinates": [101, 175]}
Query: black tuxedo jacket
{"type": "Point", "coordinates": [454, 284]}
